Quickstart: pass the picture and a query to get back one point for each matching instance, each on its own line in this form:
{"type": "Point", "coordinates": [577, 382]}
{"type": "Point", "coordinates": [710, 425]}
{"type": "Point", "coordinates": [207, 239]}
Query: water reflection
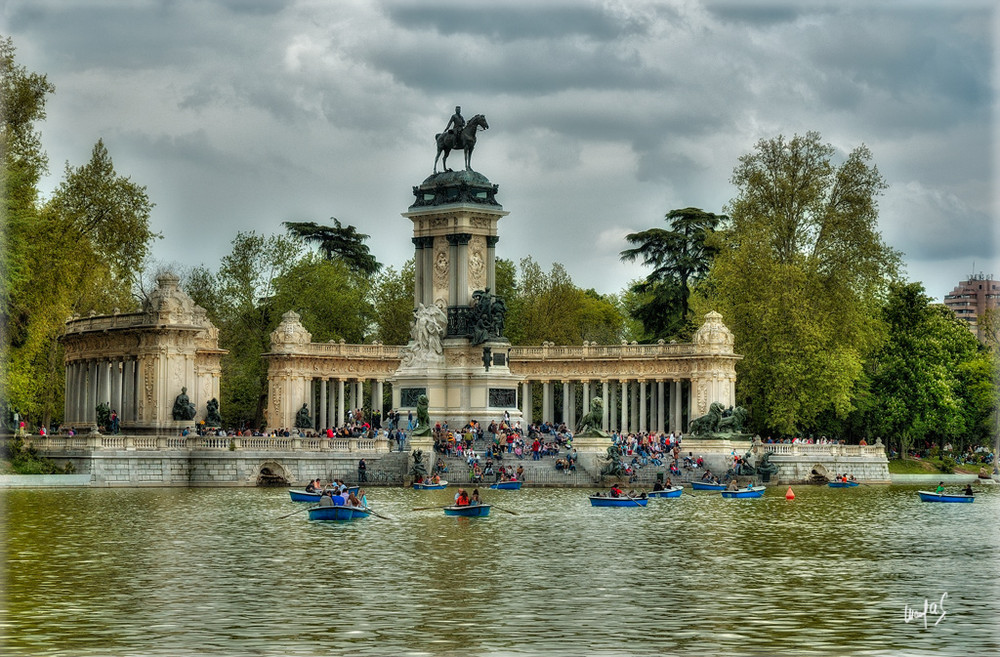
{"type": "Point", "coordinates": [220, 572]}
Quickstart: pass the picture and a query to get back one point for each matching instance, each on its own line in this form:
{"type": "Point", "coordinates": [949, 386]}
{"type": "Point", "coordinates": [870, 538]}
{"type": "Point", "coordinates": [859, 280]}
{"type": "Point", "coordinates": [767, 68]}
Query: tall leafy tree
{"type": "Point", "coordinates": [392, 298]}
{"type": "Point", "coordinates": [337, 242]}
{"type": "Point", "coordinates": [548, 306]}
{"type": "Point", "coordinates": [680, 256]}
{"type": "Point", "coordinates": [931, 379]}
{"type": "Point", "coordinates": [800, 276]}
{"type": "Point", "coordinates": [240, 300]}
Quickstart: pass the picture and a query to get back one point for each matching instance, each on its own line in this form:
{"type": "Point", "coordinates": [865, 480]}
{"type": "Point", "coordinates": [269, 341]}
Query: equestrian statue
{"type": "Point", "coordinates": [461, 136]}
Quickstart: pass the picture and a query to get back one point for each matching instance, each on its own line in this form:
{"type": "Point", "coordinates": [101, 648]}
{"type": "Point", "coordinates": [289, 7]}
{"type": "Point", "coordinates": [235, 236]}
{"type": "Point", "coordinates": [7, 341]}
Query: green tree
{"type": "Point", "coordinates": [392, 298]}
{"type": "Point", "coordinates": [680, 256]}
{"type": "Point", "coordinates": [547, 306]}
{"type": "Point", "coordinates": [332, 301]}
{"type": "Point", "coordinates": [240, 301]}
{"type": "Point", "coordinates": [337, 242]}
{"type": "Point", "coordinates": [931, 380]}
{"type": "Point", "coordinates": [799, 277]}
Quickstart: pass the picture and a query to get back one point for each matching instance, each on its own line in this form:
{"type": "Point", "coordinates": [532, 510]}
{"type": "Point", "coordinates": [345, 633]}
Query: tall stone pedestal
{"type": "Point", "coordinates": [458, 356]}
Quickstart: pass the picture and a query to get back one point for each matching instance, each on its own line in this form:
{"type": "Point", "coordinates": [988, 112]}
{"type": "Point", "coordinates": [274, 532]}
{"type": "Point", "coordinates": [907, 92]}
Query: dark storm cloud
{"type": "Point", "coordinates": [517, 21]}
{"type": "Point", "coordinates": [604, 115]}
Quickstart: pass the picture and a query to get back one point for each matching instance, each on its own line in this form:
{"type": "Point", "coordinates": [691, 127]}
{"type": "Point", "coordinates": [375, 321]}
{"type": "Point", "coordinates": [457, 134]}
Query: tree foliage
{"type": "Point", "coordinates": [799, 278]}
{"type": "Point", "coordinates": [337, 242]}
{"type": "Point", "coordinates": [77, 252]}
{"type": "Point", "coordinates": [547, 306]}
{"type": "Point", "coordinates": [392, 298]}
{"type": "Point", "coordinates": [680, 257]}
{"type": "Point", "coordinates": [931, 379]}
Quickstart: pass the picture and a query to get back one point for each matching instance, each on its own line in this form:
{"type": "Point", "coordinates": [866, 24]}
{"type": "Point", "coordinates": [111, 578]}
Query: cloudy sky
{"type": "Point", "coordinates": [240, 114]}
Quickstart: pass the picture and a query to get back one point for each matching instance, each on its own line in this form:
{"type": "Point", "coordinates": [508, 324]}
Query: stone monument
{"type": "Point", "coordinates": [457, 354]}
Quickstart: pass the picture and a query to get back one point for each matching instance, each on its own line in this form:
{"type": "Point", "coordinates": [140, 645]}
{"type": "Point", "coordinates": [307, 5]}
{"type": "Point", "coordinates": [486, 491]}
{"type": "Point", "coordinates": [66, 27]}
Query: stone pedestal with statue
{"type": "Point", "coordinates": [457, 354]}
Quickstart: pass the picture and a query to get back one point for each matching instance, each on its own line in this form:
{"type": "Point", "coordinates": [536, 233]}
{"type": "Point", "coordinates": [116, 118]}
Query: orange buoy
{"type": "Point", "coordinates": [789, 495]}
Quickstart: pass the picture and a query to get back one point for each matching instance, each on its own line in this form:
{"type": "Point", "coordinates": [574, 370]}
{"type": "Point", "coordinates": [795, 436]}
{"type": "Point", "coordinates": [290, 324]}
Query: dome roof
{"type": "Point", "coordinates": [451, 187]}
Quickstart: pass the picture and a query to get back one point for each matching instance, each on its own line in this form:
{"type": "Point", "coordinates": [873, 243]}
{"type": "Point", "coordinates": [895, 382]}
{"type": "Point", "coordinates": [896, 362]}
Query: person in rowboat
{"type": "Point", "coordinates": [475, 497]}
{"type": "Point", "coordinates": [463, 498]}
{"type": "Point", "coordinates": [968, 490]}
{"type": "Point", "coordinates": [615, 491]}
{"type": "Point", "coordinates": [352, 500]}
{"type": "Point", "coordinates": [940, 487]}
{"type": "Point", "coordinates": [325, 499]}
{"type": "Point", "coordinates": [732, 485]}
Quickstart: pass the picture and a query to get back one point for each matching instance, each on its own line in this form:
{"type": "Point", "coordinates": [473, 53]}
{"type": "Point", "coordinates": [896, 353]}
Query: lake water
{"type": "Point", "coordinates": [220, 572]}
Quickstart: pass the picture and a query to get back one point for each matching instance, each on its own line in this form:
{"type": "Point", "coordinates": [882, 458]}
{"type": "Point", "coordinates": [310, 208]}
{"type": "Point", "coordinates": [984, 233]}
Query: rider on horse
{"type": "Point", "coordinates": [459, 122]}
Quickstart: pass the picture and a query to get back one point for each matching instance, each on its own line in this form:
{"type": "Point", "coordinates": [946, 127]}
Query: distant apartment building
{"type": "Point", "coordinates": [972, 298]}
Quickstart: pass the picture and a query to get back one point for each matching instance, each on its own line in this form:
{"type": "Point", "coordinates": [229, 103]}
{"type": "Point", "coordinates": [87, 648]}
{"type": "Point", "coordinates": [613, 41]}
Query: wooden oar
{"type": "Point", "coordinates": [504, 510]}
{"type": "Point", "coordinates": [426, 508]}
{"type": "Point", "coordinates": [297, 511]}
{"type": "Point", "coordinates": [377, 514]}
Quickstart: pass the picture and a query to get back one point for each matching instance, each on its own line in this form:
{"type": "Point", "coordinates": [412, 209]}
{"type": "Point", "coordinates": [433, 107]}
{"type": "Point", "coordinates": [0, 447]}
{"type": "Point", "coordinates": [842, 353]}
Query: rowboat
{"type": "Point", "coordinates": [601, 500]}
{"type": "Point", "coordinates": [339, 513]}
{"type": "Point", "coordinates": [756, 491]}
{"type": "Point", "coordinates": [506, 485]}
{"type": "Point", "coordinates": [842, 484]}
{"type": "Point", "coordinates": [302, 496]}
{"type": "Point", "coordinates": [704, 485]}
{"type": "Point", "coordinates": [441, 485]}
{"type": "Point", "coordinates": [673, 491]}
{"type": "Point", "coordinates": [927, 496]}
{"type": "Point", "coordinates": [468, 510]}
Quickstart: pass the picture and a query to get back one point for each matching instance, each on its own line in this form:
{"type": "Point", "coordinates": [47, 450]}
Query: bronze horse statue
{"type": "Point", "coordinates": [467, 142]}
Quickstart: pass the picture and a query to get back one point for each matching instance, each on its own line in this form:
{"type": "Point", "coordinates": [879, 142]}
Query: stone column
{"type": "Point", "coordinates": [546, 401]}
{"type": "Point", "coordinates": [642, 406]}
{"type": "Point", "coordinates": [607, 405]}
{"type": "Point", "coordinates": [377, 394]}
{"type": "Point", "coordinates": [67, 386]}
{"type": "Point", "coordinates": [453, 257]}
{"type": "Point", "coordinates": [624, 395]}
{"type": "Point", "coordinates": [526, 411]}
{"type": "Point", "coordinates": [135, 390]}
{"type": "Point", "coordinates": [661, 410]}
{"type": "Point", "coordinates": [340, 402]}
{"type": "Point", "coordinates": [491, 262]}
{"type": "Point", "coordinates": [634, 404]}
{"type": "Point", "coordinates": [323, 417]}
{"type": "Point", "coordinates": [418, 271]}
{"type": "Point", "coordinates": [566, 405]}
{"type": "Point", "coordinates": [464, 295]}
{"type": "Point", "coordinates": [676, 399]}
{"type": "Point", "coordinates": [116, 386]}
{"type": "Point", "coordinates": [585, 400]}
{"type": "Point", "coordinates": [612, 405]}
{"type": "Point", "coordinates": [105, 395]}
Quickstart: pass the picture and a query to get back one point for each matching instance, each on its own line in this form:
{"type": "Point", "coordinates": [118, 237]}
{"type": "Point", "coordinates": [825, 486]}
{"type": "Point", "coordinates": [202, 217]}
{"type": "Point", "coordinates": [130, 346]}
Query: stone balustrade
{"type": "Point", "coordinates": [806, 449]}
{"type": "Point", "coordinates": [591, 351]}
{"type": "Point", "coordinates": [52, 445]}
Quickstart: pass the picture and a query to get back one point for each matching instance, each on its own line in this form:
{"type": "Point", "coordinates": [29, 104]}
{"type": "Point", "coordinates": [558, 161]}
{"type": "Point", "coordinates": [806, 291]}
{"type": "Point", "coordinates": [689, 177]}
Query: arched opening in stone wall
{"type": "Point", "coordinates": [819, 474]}
{"type": "Point", "coordinates": [272, 473]}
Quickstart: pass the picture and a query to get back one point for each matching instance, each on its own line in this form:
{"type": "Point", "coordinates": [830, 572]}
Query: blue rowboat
{"type": "Point", "coordinates": [441, 485]}
{"type": "Point", "coordinates": [506, 485]}
{"type": "Point", "coordinates": [469, 510]}
{"type": "Point", "coordinates": [756, 491]}
{"type": "Point", "coordinates": [601, 500]}
{"type": "Point", "coordinates": [339, 513]}
{"type": "Point", "coordinates": [927, 496]}
{"type": "Point", "coordinates": [302, 496]}
{"type": "Point", "coordinates": [704, 485]}
{"type": "Point", "coordinates": [842, 484]}
{"type": "Point", "coordinates": [673, 491]}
